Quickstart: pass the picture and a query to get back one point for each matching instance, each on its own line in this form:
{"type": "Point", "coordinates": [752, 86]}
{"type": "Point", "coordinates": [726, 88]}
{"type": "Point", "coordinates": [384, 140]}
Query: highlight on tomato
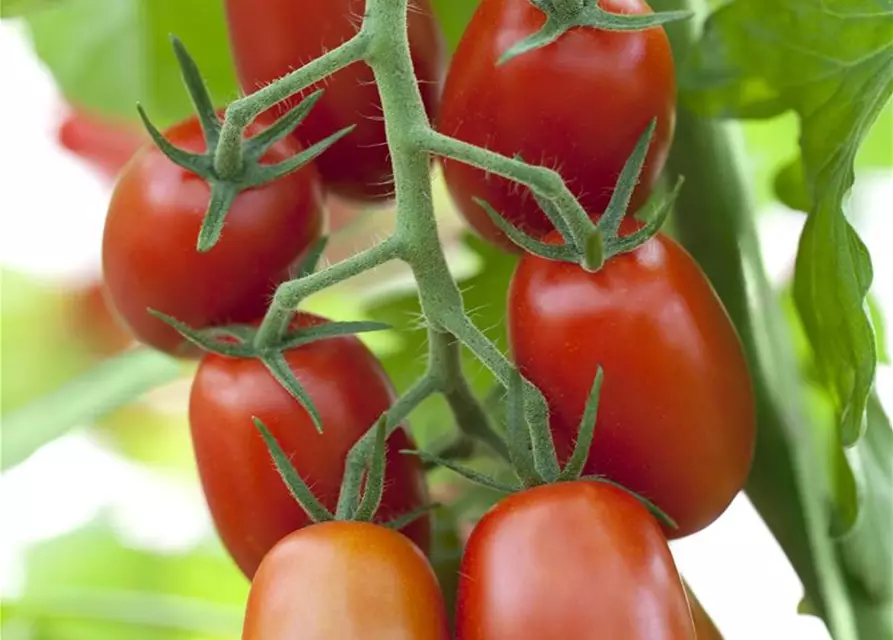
{"type": "Point", "coordinates": [273, 37]}
{"type": "Point", "coordinates": [149, 252]}
{"type": "Point", "coordinates": [250, 505]}
{"type": "Point", "coordinates": [578, 105]}
{"type": "Point", "coordinates": [676, 420]}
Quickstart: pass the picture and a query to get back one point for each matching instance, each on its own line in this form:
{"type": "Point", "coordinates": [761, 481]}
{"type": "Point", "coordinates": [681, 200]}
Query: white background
{"type": "Point", "coordinates": [52, 210]}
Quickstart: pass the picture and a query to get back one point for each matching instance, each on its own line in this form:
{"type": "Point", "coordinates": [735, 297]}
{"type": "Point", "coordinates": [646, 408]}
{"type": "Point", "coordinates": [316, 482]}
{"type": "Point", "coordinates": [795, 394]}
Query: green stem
{"type": "Point", "coordinates": [291, 293]}
{"type": "Point", "coordinates": [473, 421]}
{"type": "Point", "coordinates": [228, 160]}
{"type": "Point", "coordinates": [714, 217]}
{"type": "Point", "coordinates": [543, 181]}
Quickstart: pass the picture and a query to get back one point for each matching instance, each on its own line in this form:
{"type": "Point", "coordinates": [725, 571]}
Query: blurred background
{"type": "Point", "coordinates": [103, 530]}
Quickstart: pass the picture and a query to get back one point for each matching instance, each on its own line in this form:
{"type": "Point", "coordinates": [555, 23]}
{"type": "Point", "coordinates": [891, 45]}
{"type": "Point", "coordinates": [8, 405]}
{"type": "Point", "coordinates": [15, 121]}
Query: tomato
{"type": "Point", "coordinates": [91, 322]}
{"type": "Point", "coordinates": [345, 580]}
{"type": "Point", "coordinates": [272, 37]}
{"type": "Point", "coordinates": [676, 420]}
{"type": "Point", "coordinates": [578, 105]}
{"type": "Point", "coordinates": [149, 244]}
{"type": "Point", "coordinates": [104, 143]}
{"type": "Point", "coordinates": [570, 560]}
{"type": "Point", "coordinates": [249, 502]}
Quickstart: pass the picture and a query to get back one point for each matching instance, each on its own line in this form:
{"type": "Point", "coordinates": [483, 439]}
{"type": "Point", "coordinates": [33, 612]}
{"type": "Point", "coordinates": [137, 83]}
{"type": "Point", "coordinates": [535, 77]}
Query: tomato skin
{"type": "Point", "coordinates": [249, 502]}
{"type": "Point", "coordinates": [149, 251]}
{"type": "Point", "coordinates": [345, 580]}
{"type": "Point", "coordinates": [272, 37]}
{"type": "Point", "coordinates": [578, 105]}
{"type": "Point", "coordinates": [676, 419]}
{"type": "Point", "coordinates": [535, 556]}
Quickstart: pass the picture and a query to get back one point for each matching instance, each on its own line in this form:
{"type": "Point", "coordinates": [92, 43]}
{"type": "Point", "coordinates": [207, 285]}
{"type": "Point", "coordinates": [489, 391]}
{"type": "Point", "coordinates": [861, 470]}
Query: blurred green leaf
{"type": "Point", "coordinates": [89, 396]}
{"type": "Point", "coordinates": [90, 586]}
{"type": "Point", "coordinates": [790, 186]}
{"type": "Point", "coordinates": [454, 16]}
{"type": "Point", "coordinates": [833, 65]}
{"type": "Point", "coordinates": [16, 8]}
{"type": "Point", "coordinates": [107, 55]}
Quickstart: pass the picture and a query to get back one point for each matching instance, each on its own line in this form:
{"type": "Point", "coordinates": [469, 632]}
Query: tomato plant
{"type": "Point", "coordinates": [148, 246]}
{"type": "Point", "coordinates": [272, 37]}
{"type": "Point", "coordinates": [249, 503]}
{"type": "Point", "coordinates": [345, 580]}
{"type": "Point", "coordinates": [677, 387]}
{"type": "Point", "coordinates": [618, 81]}
{"type": "Point", "coordinates": [570, 560]}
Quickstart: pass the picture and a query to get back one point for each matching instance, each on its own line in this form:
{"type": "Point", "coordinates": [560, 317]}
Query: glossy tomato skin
{"type": "Point", "coordinates": [345, 580]}
{"type": "Point", "coordinates": [578, 105]}
{"type": "Point", "coordinates": [149, 244]}
{"type": "Point", "coordinates": [249, 502]}
{"type": "Point", "coordinates": [570, 560]}
{"type": "Point", "coordinates": [272, 37]}
{"type": "Point", "coordinates": [676, 419]}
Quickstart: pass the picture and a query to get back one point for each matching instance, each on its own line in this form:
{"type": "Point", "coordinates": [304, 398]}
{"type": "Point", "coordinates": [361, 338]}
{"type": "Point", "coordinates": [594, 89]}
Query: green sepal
{"type": "Point", "coordinates": [374, 489]}
{"type": "Point", "coordinates": [660, 515]}
{"type": "Point", "coordinates": [278, 367]}
{"type": "Point", "coordinates": [311, 260]}
{"type": "Point", "coordinates": [198, 92]}
{"type": "Point", "coordinates": [298, 488]}
{"type": "Point", "coordinates": [306, 335]}
{"type": "Point", "coordinates": [255, 147]}
{"type": "Point", "coordinates": [222, 196]}
{"type": "Point", "coordinates": [197, 163]}
{"type": "Point", "coordinates": [555, 252]}
{"type": "Point", "coordinates": [518, 434]}
{"type": "Point", "coordinates": [591, 15]}
{"type": "Point", "coordinates": [411, 516]}
{"type": "Point", "coordinates": [469, 474]}
{"type": "Point", "coordinates": [574, 467]}
{"type": "Point", "coordinates": [208, 339]}
{"type": "Point", "coordinates": [256, 174]}
{"type": "Point", "coordinates": [609, 223]}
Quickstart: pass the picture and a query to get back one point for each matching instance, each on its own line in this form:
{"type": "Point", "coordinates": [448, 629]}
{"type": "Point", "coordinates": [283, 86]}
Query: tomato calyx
{"type": "Point", "coordinates": [360, 495]}
{"type": "Point", "coordinates": [563, 15]}
{"type": "Point", "coordinates": [601, 240]}
{"type": "Point", "coordinates": [532, 453]}
{"type": "Point", "coordinates": [251, 172]}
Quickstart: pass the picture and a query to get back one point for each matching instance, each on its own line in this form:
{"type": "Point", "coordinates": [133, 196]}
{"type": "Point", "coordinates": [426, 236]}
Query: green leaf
{"type": "Point", "coordinates": [16, 8]}
{"type": "Point", "coordinates": [832, 64]}
{"type": "Point", "coordinates": [107, 55]}
{"type": "Point", "coordinates": [87, 397]}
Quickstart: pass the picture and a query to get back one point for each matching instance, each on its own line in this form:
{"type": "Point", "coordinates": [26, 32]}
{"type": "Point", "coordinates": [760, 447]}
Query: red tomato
{"type": "Point", "coordinates": [149, 244]}
{"type": "Point", "coordinates": [676, 420]}
{"type": "Point", "coordinates": [570, 560]}
{"type": "Point", "coordinates": [249, 502]}
{"type": "Point", "coordinates": [578, 105]}
{"type": "Point", "coordinates": [104, 143]}
{"type": "Point", "coordinates": [92, 322]}
{"type": "Point", "coordinates": [345, 580]}
{"type": "Point", "coordinates": [272, 37]}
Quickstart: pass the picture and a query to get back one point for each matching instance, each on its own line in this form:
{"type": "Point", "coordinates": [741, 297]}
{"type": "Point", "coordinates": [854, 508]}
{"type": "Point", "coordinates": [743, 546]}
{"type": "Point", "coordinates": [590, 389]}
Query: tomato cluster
{"type": "Point", "coordinates": [574, 559]}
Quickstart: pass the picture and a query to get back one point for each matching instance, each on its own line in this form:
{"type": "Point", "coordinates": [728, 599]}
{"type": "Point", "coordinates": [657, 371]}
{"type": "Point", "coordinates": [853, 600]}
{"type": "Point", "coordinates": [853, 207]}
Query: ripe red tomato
{"type": "Point", "coordinates": [272, 37]}
{"type": "Point", "coordinates": [249, 502]}
{"type": "Point", "coordinates": [345, 580]}
{"type": "Point", "coordinates": [104, 143]}
{"type": "Point", "coordinates": [578, 105]}
{"type": "Point", "coordinates": [676, 420]}
{"type": "Point", "coordinates": [570, 560]}
{"type": "Point", "coordinates": [149, 245]}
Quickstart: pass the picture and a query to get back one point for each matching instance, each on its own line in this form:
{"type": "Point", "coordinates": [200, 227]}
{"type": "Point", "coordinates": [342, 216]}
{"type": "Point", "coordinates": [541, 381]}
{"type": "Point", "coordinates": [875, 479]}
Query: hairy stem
{"type": "Point", "coordinates": [239, 114]}
{"type": "Point", "coordinates": [291, 293]}
{"type": "Point", "coordinates": [543, 181]}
